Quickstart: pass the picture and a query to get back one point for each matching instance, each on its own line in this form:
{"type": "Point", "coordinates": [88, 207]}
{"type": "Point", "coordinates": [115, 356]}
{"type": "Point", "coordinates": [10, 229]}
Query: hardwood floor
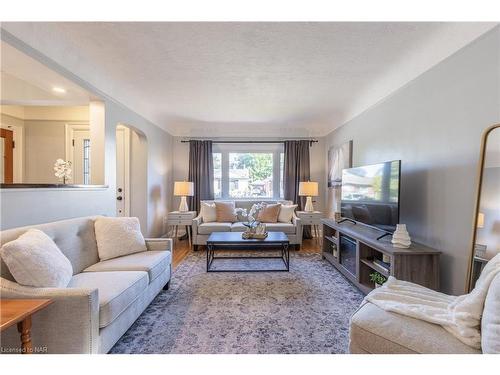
{"type": "Point", "coordinates": [181, 249]}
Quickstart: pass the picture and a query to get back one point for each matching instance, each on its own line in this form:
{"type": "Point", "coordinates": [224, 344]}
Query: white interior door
{"type": "Point", "coordinates": [81, 157]}
{"type": "Point", "coordinates": [122, 171]}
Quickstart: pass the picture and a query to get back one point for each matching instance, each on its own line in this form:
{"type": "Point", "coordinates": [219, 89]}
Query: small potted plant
{"type": "Point", "coordinates": [378, 279]}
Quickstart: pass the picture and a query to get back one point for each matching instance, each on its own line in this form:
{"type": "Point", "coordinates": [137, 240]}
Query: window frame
{"type": "Point", "coordinates": [276, 149]}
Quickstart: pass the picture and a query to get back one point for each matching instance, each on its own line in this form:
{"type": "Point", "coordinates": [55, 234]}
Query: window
{"type": "Point", "coordinates": [86, 161]}
{"type": "Point", "coordinates": [244, 171]}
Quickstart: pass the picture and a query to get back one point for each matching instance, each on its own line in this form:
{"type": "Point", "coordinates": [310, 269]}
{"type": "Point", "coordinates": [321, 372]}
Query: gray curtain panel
{"type": "Point", "coordinates": [296, 169]}
{"type": "Point", "coordinates": [201, 172]}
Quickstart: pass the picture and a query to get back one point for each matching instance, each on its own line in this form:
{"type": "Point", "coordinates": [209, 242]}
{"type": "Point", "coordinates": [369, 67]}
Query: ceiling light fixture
{"type": "Point", "coordinates": [59, 90]}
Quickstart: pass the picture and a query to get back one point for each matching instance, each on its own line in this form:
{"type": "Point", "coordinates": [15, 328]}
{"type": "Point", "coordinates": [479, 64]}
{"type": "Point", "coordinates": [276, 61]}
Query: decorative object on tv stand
{"type": "Point", "coordinates": [183, 189]}
{"type": "Point", "coordinates": [308, 189]}
{"type": "Point", "coordinates": [63, 170]}
{"type": "Point", "coordinates": [400, 237]}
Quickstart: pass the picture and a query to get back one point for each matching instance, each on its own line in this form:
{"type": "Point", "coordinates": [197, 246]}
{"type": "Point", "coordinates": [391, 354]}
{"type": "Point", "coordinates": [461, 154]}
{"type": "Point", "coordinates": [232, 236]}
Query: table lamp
{"type": "Point", "coordinates": [183, 189]}
{"type": "Point", "coordinates": [308, 189]}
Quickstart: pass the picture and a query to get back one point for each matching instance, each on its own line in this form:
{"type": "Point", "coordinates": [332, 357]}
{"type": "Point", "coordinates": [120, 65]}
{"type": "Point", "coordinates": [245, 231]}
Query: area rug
{"type": "Point", "coordinates": [306, 310]}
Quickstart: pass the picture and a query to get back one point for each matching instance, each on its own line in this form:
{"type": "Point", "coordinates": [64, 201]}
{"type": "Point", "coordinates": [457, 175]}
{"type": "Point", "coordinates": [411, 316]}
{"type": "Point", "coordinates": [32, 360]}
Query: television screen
{"type": "Point", "coordinates": [370, 194]}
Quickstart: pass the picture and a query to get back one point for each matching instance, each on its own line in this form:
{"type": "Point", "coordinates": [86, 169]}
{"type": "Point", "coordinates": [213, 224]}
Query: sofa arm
{"type": "Point", "coordinates": [299, 229]}
{"type": "Point", "coordinates": [159, 244]}
{"type": "Point", "coordinates": [197, 221]}
{"type": "Point", "coordinates": [69, 325]}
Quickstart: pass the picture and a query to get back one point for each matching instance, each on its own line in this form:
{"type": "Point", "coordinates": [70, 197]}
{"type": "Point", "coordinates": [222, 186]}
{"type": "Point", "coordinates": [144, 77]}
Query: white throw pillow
{"type": "Point", "coordinates": [208, 212]}
{"type": "Point", "coordinates": [34, 259]}
{"type": "Point", "coordinates": [118, 236]}
{"type": "Point", "coordinates": [286, 213]}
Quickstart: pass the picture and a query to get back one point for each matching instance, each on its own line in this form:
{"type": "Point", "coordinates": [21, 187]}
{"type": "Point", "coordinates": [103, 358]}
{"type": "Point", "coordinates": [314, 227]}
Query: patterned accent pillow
{"type": "Point", "coordinates": [286, 213]}
{"type": "Point", "coordinates": [118, 236]}
{"type": "Point", "coordinates": [35, 260]}
{"type": "Point", "coordinates": [269, 214]}
{"type": "Point", "coordinates": [225, 212]}
{"type": "Point", "coordinates": [208, 212]}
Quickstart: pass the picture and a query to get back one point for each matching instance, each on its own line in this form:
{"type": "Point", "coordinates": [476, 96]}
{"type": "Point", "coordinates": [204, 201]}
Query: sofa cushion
{"type": "Point", "coordinates": [286, 213]}
{"type": "Point", "coordinates": [490, 322]}
{"type": "Point", "coordinates": [117, 290]}
{"type": "Point", "coordinates": [238, 227]}
{"type": "Point", "coordinates": [152, 262]}
{"type": "Point", "coordinates": [208, 212]}
{"type": "Point", "coordinates": [118, 236]}
{"type": "Point", "coordinates": [281, 227]}
{"type": "Point", "coordinates": [35, 260]}
{"type": "Point", "coordinates": [225, 212]}
{"type": "Point", "coordinates": [207, 228]}
{"type": "Point", "coordinates": [374, 330]}
{"type": "Point", "coordinates": [269, 213]}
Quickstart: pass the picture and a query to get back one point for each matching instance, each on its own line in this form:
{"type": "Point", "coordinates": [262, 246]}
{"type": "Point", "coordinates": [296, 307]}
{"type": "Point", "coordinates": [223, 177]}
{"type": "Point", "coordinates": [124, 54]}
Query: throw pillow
{"type": "Point", "coordinates": [269, 214]}
{"type": "Point", "coordinates": [208, 212]}
{"type": "Point", "coordinates": [34, 259]}
{"type": "Point", "coordinates": [225, 212]}
{"type": "Point", "coordinates": [118, 236]}
{"type": "Point", "coordinates": [286, 213]}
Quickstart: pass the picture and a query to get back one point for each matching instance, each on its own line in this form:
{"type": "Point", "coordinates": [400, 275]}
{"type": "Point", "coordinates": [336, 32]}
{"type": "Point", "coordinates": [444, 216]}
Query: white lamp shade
{"type": "Point", "coordinates": [308, 189]}
{"type": "Point", "coordinates": [183, 188]}
{"type": "Point", "coordinates": [480, 220]}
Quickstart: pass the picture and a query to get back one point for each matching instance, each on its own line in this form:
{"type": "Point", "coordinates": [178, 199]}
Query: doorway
{"type": "Point", "coordinates": [131, 174]}
{"type": "Point", "coordinates": [7, 152]}
{"type": "Point", "coordinates": [78, 152]}
{"type": "Point", "coordinates": [122, 171]}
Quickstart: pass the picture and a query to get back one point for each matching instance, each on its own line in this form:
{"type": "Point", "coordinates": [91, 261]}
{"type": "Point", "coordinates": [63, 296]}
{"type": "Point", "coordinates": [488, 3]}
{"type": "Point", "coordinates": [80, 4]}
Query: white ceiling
{"type": "Point", "coordinates": [239, 79]}
{"type": "Point", "coordinates": [25, 81]}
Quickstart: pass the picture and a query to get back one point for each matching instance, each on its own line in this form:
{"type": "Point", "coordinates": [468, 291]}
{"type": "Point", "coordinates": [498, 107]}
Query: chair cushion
{"type": "Point", "coordinates": [281, 227]}
{"type": "Point", "coordinates": [490, 322]}
{"type": "Point", "coordinates": [207, 228]}
{"type": "Point", "coordinates": [117, 290]}
{"type": "Point", "coordinates": [118, 236]}
{"type": "Point", "coordinates": [152, 262]}
{"type": "Point", "coordinates": [374, 330]}
{"type": "Point", "coordinates": [35, 260]}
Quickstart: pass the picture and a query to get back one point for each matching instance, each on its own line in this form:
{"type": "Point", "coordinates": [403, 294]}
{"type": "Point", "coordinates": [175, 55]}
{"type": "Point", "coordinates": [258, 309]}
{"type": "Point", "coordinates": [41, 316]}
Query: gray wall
{"type": "Point", "coordinates": [434, 125]}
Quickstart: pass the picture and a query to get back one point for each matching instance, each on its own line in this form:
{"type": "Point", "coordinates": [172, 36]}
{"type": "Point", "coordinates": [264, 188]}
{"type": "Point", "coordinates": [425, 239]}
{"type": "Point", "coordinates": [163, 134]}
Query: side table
{"type": "Point", "coordinates": [312, 218]}
{"type": "Point", "coordinates": [19, 311]}
{"type": "Point", "coordinates": [183, 218]}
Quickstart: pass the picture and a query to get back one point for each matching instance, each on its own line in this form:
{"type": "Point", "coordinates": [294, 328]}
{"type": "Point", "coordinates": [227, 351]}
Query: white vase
{"type": "Point", "coordinates": [400, 237]}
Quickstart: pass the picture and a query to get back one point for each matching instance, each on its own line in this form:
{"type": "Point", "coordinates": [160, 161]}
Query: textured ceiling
{"type": "Point", "coordinates": [238, 79]}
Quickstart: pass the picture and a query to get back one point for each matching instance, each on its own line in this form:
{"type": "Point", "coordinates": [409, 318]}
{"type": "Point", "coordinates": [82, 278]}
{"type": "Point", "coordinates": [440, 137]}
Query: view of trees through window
{"type": "Point", "coordinates": [250, 175]}
{"type": "Point", "coordinates": [247, 174]}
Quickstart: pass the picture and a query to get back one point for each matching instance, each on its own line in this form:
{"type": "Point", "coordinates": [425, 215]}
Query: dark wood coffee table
{"type": "Point", "coordinates": [233, 241]}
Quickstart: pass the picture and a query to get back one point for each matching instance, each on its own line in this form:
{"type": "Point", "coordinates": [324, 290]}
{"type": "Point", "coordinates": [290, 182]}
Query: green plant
{"type": "Point", "coordinates": [377, 278]}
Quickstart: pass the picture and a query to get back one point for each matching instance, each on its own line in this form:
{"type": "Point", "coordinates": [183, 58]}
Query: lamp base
{"type": "Point", "coordinates": [309, 205]}
{"type": "Point", "coordinates": [183, 207]}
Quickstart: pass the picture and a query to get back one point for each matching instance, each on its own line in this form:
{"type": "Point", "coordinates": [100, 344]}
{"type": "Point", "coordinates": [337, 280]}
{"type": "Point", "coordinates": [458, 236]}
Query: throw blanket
{"type": "Point", "coordinates": [461, 316]}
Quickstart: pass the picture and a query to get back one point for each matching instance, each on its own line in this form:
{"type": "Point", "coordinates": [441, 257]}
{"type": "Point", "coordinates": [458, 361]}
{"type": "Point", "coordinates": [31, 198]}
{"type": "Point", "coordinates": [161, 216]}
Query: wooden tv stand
{"type": "Point", "coordinates": [418, 264]}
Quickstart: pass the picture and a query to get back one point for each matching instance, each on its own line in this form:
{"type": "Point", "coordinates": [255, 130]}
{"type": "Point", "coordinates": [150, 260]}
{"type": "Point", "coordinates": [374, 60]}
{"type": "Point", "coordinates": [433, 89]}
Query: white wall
{"type": "Point", "coordinates": [434, 125]}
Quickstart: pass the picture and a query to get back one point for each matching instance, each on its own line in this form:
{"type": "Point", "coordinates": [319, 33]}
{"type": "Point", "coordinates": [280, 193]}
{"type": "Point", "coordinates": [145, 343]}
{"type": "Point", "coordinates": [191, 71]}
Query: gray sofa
{"type": "Point", "coordinates": [201, 230]}
{"type": "Point", "coordinates": [102, 300]}
{"type": "Point", "coordinates": [377, 331]}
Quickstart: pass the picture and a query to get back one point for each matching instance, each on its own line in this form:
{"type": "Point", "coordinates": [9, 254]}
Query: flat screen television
{"type": "Point", "coordinates": [370, 195]}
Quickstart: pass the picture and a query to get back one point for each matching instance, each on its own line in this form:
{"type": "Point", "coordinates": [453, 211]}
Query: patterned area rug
{"type": "Point", "coordinates": [305, 310]}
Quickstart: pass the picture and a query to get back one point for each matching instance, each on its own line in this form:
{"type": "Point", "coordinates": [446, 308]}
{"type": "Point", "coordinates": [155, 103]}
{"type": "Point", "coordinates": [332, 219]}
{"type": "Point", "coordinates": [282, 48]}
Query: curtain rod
{"type": "Point", "coordinates": [310, 141]}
